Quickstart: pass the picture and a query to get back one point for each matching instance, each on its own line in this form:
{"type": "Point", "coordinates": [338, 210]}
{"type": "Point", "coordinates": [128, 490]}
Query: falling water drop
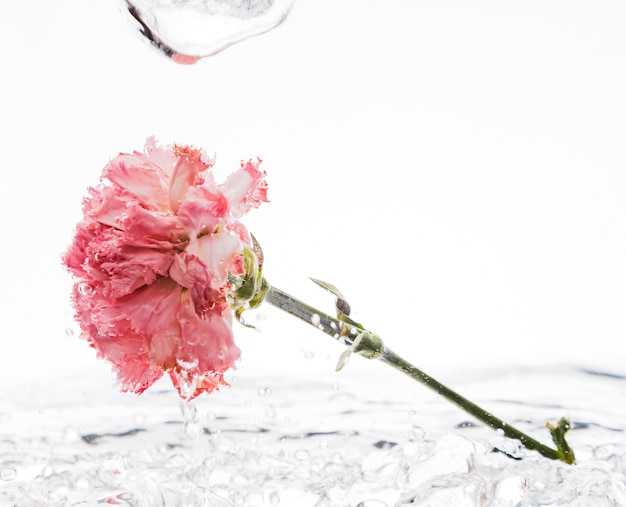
{"type": "Point", "coordinates": [189, 30]}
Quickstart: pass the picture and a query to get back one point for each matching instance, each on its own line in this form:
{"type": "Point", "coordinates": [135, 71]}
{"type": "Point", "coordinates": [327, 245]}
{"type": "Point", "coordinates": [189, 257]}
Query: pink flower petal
{"type": "Point", "coordinates": [217, 252]}
{"type": "Point", "coordinates": [141, 177]}
{"type": "Point", "coordinates": [202, 211]}
{"type": "Point", "coordinates": [186, 172]}
{"type": "Point", "coordinates": [246, 188]}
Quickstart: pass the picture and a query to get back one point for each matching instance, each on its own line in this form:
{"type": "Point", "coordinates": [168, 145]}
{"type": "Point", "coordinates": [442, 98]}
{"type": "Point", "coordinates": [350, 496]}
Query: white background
{"type": "Point", "coordinates": [457, 169]}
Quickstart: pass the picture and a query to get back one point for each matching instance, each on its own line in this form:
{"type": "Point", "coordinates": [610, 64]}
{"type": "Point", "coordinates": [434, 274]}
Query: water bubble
{"type": "Point", "coordinates": [315, 319]}
{"type": "Point", "coordinates": [85, 289]}
{"type": "Point", "coordinates": [139, 419]}
{"type": "Point", "coordinates": [263, 391]}
{"type": "Point", "coordinates": [255, 499]}
{"type": "Point", "coordinates": [417, 432]}
{"type": "Point", "coordinates": [302, 455]}
{"type": "Point", "coordinates": [81, 483]}
{"type": "Point", "coordinates": [237, 498]}
{"type": "Point", "coordinates": [71, 435]}
{"type": "Point", "coordinates": [69, 331]}
{"type": "Point", "coordinates": [274, 498]}
{"type": "Point", "coordinates": [190, 30]}
{"type": "Point", "coordinates": [309, 354]}
{"type": "Point", "coordinates": [8, 474]}
{"type": "Point", "coordinates": [270, 411]}
{"type": "Point", "coordinates": [336, 458]}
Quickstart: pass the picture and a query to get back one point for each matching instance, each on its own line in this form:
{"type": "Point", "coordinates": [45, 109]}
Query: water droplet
{"type": "Point", "coordinates": [335, 386]}
{"type": "Point", "coordinates": [315, 319]}
{"type": "Point", "coordinates": [190, 415]}
{"type": "Point", "coordinates": [8, 474]}
{"type": "Point", "coordinates": [274, 498]}
{"type": "Point", "coordinates": [71, 435]}
{"type": "Point", "coordinates": [302, 455]}
{"type": "Point", "coordinates": [188, 31]}
{"type": "Point", "coordinates": [264, 390]}
{"type": "Point", "coordinates": [192, 430]}
{"type": "Point", "coordinates": [84, 289]}
{"type": "Point", "coordinates": [417, 432]}
{"type": "Point", "coordinates": [69, 331]}
{"type": "Point", "coordinates": [309, 354]}
{"type": "Point", "coordinates": [237, 498]}
{"type": "Point", "coordinates": [270, 411]}
{"type": "Point", "coordinates": [81, 483]}
{"type": "Point", "coordinates": [372, 503]}
{"type": "Point", "coordinates": [139, 419]}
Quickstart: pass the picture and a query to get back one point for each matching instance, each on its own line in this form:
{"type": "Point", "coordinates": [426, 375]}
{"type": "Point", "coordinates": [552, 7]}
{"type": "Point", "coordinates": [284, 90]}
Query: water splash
{"type": "Point", "coordinates": [188, 30]}
{"type": "Point", "coordinates": [361, 444]}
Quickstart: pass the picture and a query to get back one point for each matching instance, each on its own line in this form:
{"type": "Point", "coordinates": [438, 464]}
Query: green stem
{"type": "Point", "coordinates": [347, 334]}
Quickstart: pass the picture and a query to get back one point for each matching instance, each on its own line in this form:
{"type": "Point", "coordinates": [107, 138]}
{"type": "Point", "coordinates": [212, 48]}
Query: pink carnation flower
{"type": "Point", "coordinates": [152, 258]}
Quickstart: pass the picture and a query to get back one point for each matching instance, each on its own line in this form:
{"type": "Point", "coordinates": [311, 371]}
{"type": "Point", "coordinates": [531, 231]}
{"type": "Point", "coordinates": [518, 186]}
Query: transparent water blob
{"type": "Point", "coordinates": [188, 30]}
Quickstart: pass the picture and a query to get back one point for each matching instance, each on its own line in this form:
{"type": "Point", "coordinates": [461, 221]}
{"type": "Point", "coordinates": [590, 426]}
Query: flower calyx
{"type": "Point", "coordinates": [250, 288]}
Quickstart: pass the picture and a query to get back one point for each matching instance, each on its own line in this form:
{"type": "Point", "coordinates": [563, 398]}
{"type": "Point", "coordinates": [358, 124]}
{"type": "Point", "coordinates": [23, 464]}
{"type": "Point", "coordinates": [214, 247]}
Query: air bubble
{"type": "Point", "coordinates": [274, 498]}
{"type": "Point", "coordinates": [85, 289]}
{"type": "Point", "coordinates": [315, 319]}
{"type": "Point", "coordinates": [8, 474]}
{"type": "Point", "coordinates": [417, 432]}
{"type": "Point", "coordinates": [302, 455]}
{"type": "Point", "coordinates": [82, 483]}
